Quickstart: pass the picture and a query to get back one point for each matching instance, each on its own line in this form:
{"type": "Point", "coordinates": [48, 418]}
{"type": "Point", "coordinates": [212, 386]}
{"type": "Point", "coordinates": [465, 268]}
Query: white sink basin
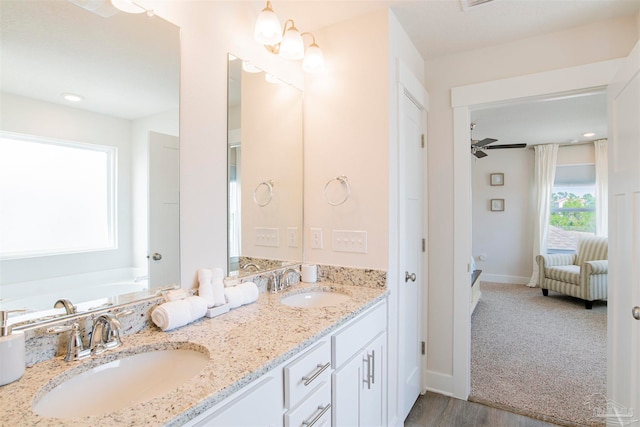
{"type": "Point", "coordinates": [314, 299]}
{"type": "Point", "coordinates": [121, 383]}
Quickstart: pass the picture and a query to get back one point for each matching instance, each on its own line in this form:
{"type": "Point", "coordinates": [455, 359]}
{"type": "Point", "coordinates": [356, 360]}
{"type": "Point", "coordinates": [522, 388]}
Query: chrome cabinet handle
{"type": "Point", "coordinates": [373, 366]}
{"type": "Point", "coordinates": [315, 419]}
{"type": "Point", "coordinates": [369, 377]}
{"type": "Point", "coordinates": [320, 369]}
{"type": "Point", "coordinates": [408, 277]}
{"type": "Point", "coordinates": [635, 312]}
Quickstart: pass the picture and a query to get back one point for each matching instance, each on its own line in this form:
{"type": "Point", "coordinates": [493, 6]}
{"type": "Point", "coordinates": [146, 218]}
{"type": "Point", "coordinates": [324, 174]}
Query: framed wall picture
{"type": "Point", "coordinates": [497, 205]}
{"type": "Point", "coordinates": [497, 179]}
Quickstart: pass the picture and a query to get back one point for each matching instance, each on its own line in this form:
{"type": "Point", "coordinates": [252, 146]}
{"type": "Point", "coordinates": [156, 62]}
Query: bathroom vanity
{"type": "Point", "coordinates": [259, 357]}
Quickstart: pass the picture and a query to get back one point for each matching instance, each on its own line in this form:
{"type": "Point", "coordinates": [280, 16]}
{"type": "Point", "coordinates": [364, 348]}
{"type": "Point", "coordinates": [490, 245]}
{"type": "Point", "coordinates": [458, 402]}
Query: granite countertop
{"type": "Point", "coordinates": [243, 344]}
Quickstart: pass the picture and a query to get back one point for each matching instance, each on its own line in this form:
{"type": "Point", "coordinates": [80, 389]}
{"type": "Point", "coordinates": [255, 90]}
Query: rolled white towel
{"type": "Point", "coordinates": [205, 290]}
{"type": "Point", "coordinates": [218, 286]}
{"type": "Point", "coordinates": [234, 296]}
{"type": "Point", "coordinates": [249, 291]}
{"type": "Point", "coordinates": [178, 313]}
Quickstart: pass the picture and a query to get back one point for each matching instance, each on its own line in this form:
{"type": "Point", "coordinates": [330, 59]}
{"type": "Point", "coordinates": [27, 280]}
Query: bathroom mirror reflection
{"type": "Point", "coordinates": [265, 171]}
{"type": "Point", "coordinates": [88, 184]}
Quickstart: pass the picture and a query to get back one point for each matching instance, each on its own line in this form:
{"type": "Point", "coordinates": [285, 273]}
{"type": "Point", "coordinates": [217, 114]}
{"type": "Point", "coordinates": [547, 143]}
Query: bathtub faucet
{"type": "Point", "coordinates": [140, 278]}
{"type": "Point", "coordinates": [68, 306]}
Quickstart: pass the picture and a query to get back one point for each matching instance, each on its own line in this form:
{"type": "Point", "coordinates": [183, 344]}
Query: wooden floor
{"type": "Point", "coordinates": [435, 410]}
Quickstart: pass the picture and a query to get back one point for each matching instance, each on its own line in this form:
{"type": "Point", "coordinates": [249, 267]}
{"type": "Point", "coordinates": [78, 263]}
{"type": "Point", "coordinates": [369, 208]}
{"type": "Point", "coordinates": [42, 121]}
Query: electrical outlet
{"type": "Point", "coordinates": [267, 237]}
{"type": "Point", "coordinates": [292, 237]}
{"type": "Point", "coordinates": [316, 238]}
{"type": "Point", "coordinates": [350, 241]}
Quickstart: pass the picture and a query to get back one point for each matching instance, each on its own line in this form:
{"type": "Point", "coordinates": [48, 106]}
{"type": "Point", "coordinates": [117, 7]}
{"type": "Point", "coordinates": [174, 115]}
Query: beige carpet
{"type": "Point", "coordinates": [544, 357]}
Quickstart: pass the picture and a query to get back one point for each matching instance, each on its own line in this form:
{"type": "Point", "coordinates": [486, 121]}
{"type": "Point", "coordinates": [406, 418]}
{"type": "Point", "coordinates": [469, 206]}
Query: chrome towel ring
{"type": "Point", "coordinates": [269, 195]}
{"type": "Point", "coordinates": [342, 180]}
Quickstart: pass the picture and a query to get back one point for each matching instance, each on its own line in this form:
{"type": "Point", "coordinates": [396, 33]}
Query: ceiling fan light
{"type": "Point", "coordinates": [292, 46]}
{"type": "Point", "coordinates": [127, 6]}
{"type": "Point", "coordinates": [313, 59]}
{"type": "Point", "coordinates": [268, 30]}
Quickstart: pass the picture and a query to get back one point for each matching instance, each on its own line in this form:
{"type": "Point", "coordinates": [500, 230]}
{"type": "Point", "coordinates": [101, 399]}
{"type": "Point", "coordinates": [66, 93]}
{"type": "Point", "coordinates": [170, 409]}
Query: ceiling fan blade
{"type": "Point", "coordinates": [484, 142]}
{"type": "Point", "coordinates": [480, 154]}
{"type": "Point", "coordinates": [507, 146]}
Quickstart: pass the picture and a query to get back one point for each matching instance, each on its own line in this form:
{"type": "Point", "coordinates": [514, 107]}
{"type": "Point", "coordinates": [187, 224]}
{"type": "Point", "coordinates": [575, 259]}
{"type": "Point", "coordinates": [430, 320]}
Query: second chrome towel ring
{"type": "Point", "coordinates": [343, 181]}
{"type": "Point", "coordinates": [266, 198]}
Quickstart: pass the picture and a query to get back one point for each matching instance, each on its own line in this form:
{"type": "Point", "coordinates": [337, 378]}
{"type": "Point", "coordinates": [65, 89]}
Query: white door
{"type": "Point", "coordinates": [623, 388]}
{"type": "Point", "coordinates": [164, 210]}
{"type": "Point", "coordinates": [410, 280]}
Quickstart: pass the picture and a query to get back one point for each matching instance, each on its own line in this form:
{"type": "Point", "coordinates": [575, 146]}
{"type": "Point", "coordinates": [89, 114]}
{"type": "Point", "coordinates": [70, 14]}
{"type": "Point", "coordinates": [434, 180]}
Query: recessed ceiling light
{"type": "Point", "coordinates": [589, 134]}
{"type": "Point", "coordinates": [72, 97]}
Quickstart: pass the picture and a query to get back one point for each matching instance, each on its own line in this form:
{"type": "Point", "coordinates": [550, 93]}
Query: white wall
{"type": "Point", "coordinates": [504, 238]}
{"type": "Point", "coordinates": [33, 117]}
{"type": "Point", "coordinates": [347, 133]}
{"type": "Point", "coordinates": [576, 46]}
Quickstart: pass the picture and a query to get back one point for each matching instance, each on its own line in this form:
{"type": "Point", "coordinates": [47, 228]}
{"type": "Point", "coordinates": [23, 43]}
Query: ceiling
{"type": "Point", "coordinates": [437, 27]}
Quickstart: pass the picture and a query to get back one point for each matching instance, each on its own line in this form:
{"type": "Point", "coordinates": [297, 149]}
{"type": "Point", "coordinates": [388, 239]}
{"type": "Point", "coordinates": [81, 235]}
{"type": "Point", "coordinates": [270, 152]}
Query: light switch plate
{"type": "Point", "coordinates": [316, 238]}
{"type": "Point", "coordinates": [350, 241]}
{"type": "Point", "coordinates": [292, 237]}
{"type": "Point", "coordinates": [267, 237]}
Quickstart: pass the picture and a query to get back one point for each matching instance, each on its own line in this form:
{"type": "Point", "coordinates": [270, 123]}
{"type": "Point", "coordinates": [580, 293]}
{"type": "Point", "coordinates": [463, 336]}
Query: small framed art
{"type": "Point", "coordinates": [497, 205]}
{"type": "Point", "coordinates": [497, 179]}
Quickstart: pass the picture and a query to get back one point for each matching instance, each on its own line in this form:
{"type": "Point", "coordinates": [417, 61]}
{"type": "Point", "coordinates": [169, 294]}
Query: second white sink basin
{"type": "Point", "coordinates": [121, 383]}
{"type": "Point", "coordinates": [314, 299]}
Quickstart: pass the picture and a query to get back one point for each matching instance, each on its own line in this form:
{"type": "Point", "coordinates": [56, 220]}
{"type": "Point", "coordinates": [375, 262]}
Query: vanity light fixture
{"type": "Point", "coordinates": [250, 68]}
{"type": "Point", "coordinates": [287, 42]}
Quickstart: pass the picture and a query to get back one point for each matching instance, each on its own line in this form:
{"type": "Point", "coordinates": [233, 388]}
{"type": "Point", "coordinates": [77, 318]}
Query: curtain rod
{"type": "Point", "coordinates": [568, 144]}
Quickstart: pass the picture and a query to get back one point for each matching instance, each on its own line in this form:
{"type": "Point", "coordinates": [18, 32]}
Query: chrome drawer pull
{"type": "Point", "coordinates": [315, 419]}
{"type": "Point", "coordinates": [321, 368]}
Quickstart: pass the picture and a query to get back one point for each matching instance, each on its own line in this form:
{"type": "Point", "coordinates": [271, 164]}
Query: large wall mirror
{"type": "Point", "coordinates": [265, 161]}
{"type": "Point", "coordinates": [88, 182]}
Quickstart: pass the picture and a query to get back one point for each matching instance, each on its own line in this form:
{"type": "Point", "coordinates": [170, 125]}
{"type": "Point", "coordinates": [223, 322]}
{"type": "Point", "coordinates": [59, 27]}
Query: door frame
{"type": "Point", "coordinates": [463, 99]}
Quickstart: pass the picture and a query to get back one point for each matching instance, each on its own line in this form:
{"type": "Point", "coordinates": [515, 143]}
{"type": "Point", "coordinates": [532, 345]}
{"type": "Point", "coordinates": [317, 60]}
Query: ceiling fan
{"type": "Point", "coordinates": [478, 148]}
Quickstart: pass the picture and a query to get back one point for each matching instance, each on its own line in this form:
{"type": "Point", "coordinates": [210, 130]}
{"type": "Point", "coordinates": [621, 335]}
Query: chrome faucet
{"type": "Point", "coordinates": [68, 306]}
{"type": "Point", "coordinates": [105, 334]}
{"type": "Point", "coordinates": [280, 280]}
{"type": "Point", "coordinates": [251, 264]}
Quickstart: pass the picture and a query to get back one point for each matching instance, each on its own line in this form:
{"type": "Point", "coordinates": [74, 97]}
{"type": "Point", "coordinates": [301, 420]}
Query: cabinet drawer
{"type": "Point", "coordinates": [316, 410]}
{"type": "Point", "coordinates": [304, 374]}
{"type": "Point", "coordinates": [358, 334]}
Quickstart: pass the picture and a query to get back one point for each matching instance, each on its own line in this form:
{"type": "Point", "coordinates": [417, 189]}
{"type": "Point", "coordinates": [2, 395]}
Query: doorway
{"type": "Point", "coordinates": [534, 86]}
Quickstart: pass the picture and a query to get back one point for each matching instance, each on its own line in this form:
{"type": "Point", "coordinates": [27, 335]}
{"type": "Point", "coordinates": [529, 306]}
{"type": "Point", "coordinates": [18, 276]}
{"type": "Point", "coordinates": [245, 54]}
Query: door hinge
{"type": "Point", "coordinates": [424, 245]}
{"type": "Point", "coordinates": [422, 140]}
{"type": "Point", "coordinates": [423, 347]}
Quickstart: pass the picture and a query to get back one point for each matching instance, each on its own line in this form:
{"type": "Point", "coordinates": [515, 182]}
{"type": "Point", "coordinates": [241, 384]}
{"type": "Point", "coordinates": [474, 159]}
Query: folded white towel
{"type": "Point", "coordinates": [205, 290]}
{"type": "Point", "coordinates": [244, 293]}
{"type": "Point", "coordinates": [178, 313]}
{"type": "Point", "coordinates": [217, 284]}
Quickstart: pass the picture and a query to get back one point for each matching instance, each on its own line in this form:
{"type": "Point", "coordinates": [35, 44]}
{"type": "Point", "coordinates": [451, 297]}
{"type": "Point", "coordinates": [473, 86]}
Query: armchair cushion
{"type": "Point", "coordinates": [592, 249]}
{"type": "Point", "coordinates": [564, 273]}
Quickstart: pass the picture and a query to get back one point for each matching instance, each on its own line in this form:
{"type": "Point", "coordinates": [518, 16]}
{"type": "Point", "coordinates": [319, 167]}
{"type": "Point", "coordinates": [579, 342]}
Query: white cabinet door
{"type": "Point", "coordinates": [358, 387]}
{"type": "Point", "coordinates": [260, 405]}
{"type": "Point", "coordinates": [372, 385]}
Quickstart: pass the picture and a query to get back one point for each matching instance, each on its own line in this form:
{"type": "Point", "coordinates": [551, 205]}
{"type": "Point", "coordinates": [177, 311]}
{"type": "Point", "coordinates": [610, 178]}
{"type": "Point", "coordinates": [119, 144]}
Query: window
{"type": "Point", "coordinates": [573, 207]}
{"type": "Point", "coordinates": [66, 188]}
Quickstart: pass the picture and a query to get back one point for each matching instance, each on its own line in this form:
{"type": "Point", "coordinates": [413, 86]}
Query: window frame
{"type": "Point", "coordinates": [111, 169]}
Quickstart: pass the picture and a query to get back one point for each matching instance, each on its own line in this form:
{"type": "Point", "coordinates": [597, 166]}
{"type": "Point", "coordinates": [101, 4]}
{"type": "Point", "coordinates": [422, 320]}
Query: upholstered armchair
{"type": "Point", "coordinates": [582, 275]}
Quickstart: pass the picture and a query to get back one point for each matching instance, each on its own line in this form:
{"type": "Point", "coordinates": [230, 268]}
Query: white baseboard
{"type": "Point", "coordinates": [503, 278]}
{"type": "Point", "coordinates": [439, 383]}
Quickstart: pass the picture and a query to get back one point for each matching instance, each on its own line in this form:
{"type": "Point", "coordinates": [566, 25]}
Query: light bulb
{"type": "Point", "coordinates": [127, 6]}
{"type": "Point", "coordinates": [292, 46]}
{"type": "Point", "coordinates": [268, 30]}
{"type": "Point", "coordinates": [313, 59]}
{"type": "Point", "coordinates": [249, 67]}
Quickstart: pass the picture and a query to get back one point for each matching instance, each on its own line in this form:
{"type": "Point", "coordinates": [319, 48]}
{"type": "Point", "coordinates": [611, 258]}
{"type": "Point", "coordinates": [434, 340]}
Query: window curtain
{"type": "Point", "coordinates": [602, 184]}
{"type": "Point", "coordinates": [545, 173]}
